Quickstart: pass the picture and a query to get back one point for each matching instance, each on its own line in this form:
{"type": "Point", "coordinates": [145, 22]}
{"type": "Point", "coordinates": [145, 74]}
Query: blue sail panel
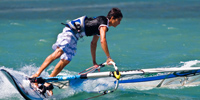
{"type": "Point", "coordinates": [175, 74]}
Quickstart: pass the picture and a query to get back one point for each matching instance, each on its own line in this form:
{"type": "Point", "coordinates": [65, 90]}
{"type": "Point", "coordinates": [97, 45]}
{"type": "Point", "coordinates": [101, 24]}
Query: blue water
{"type": "Point", "coordinates": [156, 33]}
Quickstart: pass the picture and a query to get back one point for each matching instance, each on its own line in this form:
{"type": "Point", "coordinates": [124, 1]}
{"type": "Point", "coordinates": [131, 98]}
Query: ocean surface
{"type": "Point", "coordinates": [152, 34]}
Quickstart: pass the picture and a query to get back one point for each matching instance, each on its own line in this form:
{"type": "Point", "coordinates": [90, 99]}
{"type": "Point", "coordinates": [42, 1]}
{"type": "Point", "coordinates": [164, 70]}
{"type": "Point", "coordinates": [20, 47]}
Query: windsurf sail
{"type": "Point", "coordinates": [121, 76]}
{"type": "Point", "coordinates": [171, 73]}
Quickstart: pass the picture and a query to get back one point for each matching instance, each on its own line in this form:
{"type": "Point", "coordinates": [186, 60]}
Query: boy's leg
{"type": "Point", "coordinates": [56, 54]}
{"type": "Point", "coordinates": [58, 68]}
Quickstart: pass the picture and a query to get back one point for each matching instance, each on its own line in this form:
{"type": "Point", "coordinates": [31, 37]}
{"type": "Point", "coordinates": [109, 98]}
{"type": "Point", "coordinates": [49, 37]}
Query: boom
{"type": "Point", "coordinates": [123, 73]}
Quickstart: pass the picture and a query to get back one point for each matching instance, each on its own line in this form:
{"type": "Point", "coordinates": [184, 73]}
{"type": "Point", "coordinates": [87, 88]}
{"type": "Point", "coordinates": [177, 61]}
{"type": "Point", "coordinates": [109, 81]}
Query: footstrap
{"type": "Point", "coordinates": [44, 88]}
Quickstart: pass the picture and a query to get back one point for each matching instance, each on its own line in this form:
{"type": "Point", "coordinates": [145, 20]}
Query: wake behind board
{"type": "Point", "coordinates": [23, 88]}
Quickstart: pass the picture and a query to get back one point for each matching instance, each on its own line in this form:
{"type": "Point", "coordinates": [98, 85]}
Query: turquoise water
{"type": "Point", "coordinates": [156, 33]}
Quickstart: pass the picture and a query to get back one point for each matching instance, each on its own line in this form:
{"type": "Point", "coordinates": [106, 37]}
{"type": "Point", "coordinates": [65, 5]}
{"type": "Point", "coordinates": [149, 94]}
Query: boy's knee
{"type": "Point", "coordinates": [65, 62]}
{"type": "Point", "coordinates": [57, 53]}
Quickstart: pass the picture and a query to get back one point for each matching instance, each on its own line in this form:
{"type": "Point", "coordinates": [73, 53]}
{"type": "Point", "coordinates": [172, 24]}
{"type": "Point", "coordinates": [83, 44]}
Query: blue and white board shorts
{"type": "Point", "coordinates": [67, 42]}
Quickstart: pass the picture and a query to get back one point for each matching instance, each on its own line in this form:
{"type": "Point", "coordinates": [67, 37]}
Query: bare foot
{"type": "Point", "coordinates": [34, 84]}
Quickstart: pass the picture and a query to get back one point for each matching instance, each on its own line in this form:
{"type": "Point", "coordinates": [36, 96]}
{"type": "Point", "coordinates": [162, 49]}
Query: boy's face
{"type": "Point", "coordinates": [116, 21]}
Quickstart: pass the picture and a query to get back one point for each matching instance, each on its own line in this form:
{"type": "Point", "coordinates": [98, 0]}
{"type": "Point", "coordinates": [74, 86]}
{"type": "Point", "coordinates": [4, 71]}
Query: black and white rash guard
{"type": "Point", "coordinates": [92, 25]}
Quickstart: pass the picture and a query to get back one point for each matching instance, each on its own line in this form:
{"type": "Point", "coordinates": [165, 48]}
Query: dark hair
{"type": "Point", "coordinates": [115, 13]}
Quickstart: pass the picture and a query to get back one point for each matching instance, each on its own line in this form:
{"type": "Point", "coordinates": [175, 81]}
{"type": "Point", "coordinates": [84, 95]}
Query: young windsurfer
{"type": "Point", "coordinates": [66, 43]}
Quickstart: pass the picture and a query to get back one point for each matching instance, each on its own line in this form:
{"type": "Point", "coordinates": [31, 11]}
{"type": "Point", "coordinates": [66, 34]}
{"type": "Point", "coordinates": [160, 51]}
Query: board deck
{"type": "Point", "coordinates": [24, 89]}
